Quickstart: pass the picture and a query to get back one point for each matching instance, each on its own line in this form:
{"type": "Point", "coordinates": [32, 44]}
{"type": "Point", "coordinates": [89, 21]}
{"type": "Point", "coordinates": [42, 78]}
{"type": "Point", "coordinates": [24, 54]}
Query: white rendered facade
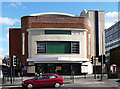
{"type": "Point", "coordinates": [38, 34]}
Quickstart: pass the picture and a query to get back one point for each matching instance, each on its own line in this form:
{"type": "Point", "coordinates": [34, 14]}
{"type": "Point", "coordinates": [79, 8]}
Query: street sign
{"type": "Point", "coordinates": [24, 68]}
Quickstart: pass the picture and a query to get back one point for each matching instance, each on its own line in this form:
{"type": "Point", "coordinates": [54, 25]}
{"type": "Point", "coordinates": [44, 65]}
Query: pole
{"type": "Point", "coordinates": [13, 74]}
{"type": "Point", "coordinates": [95, 66]}
{"type": "Point", "coordinates": [72, 72]}
{"type": "Point", "coordinates": [11, 63]}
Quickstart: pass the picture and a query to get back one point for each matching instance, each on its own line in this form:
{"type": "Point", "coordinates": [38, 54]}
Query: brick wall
{"type": "Point", "coordinates": [15, 42]}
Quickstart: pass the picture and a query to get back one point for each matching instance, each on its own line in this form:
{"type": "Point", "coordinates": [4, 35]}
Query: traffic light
{"type": "Point", "coordinates": [92, 60]}
{"type": "Point", "coordinates": [104, 59]}
{"type": "Point", "coordinates": [14, 60]}
{"type": "Point", "coordinates": [100, 58]}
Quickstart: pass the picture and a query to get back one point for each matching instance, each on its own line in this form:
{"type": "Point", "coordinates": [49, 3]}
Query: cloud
{"type": "Point", "coordinates": [19, 3]}
{"type": "Point", "coordinates": [1, 56]}
{"type": "Point", "coordinates": [15, 5]}
{"type": "Point", "coordinates": [1, 49]}
{"type": "Point", "coordinates": [8, 21]}
{"type": "Point", "coordinates": [110, 19]}
{"type": "Point", "coordinates": [7, 53]}
{"type": "Point", "coordinates": [7, 35]}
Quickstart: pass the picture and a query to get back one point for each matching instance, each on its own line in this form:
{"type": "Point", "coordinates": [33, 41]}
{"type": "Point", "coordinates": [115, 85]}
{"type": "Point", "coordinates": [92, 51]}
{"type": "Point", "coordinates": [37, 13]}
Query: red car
{"type": "Point", "coordinates": [44, 80]}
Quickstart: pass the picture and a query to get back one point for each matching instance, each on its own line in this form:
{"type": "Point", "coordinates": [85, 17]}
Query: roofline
{"type": "Point", "coordinates": [53, 13]}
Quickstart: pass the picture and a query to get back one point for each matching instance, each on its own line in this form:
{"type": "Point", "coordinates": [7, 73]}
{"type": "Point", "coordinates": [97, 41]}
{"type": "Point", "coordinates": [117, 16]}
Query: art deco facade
{"type": "Point", "coordinates": [51, 42]}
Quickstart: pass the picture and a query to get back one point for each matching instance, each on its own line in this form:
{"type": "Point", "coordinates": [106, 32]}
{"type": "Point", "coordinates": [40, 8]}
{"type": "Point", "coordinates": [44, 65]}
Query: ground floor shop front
{"type": "Point", "coordinates": [59, 65]}
{"type": "Point", "coordinates": [58, 68]}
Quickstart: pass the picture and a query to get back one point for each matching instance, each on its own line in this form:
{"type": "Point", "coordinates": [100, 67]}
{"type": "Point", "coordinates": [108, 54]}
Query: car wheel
{"type": "Point", "coordinates": [57, 85]}
{"type": "Point", "coordinates": [30, 86]}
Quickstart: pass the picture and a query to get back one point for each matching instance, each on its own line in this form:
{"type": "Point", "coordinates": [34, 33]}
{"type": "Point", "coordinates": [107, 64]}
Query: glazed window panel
{"type": "Point", "coordinates": [75, 47]}
{"type": "Point", "coordinates": [58, 47]}
{"type": "Point", "coordinates": [40, 47]}
{"type": "Point", "coordinates": [23, 43]}
{"type": "Point", "coordinates": [64, 32]}
{"type": "Point", "coordinates": [55, 47]}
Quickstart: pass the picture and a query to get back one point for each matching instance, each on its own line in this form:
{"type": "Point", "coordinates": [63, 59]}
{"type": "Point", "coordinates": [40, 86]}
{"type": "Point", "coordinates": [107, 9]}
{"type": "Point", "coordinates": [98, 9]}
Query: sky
{"type": "Point", "coordinates": [13, 11]}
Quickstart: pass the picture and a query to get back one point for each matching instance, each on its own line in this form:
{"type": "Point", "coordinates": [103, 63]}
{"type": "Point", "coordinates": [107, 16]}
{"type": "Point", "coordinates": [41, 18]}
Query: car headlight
{"type": "Point", "coordinates": [22, 82]}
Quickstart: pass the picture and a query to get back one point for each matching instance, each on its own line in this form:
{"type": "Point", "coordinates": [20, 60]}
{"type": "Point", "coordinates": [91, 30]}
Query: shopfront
{"type": "Point", "coordinates": [58, 68]}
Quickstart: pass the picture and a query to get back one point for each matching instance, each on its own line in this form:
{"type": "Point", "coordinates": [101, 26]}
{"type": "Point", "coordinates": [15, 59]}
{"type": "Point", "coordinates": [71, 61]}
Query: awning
{"type": "Point", "coordinates": [62, 59]}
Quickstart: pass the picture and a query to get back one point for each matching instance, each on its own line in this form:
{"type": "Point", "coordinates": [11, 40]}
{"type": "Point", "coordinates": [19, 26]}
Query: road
{"type": "Point", "coordinates": [64, 87]}
{"type": "Point", "coordinates": [86, 85]}
{"type": "Point", "coordinates": [80, 83]}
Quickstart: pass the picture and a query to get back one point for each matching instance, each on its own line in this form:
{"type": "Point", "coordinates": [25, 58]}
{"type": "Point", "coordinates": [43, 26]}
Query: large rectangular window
{"type": "Point", "coordinates": [65, 32]}
{"type": "Point", "coordinates": [58, 47]}
{"type": "Point", "coordinates": [55, 47]}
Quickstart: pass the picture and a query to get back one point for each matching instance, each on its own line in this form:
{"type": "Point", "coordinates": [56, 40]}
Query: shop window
{"type": "Point", "coordinates": [65, 32]}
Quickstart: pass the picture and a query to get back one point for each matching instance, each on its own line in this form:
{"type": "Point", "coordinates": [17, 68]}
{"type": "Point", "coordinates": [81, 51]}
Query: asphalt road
{"type": "Point", "coordinates": [66, 86]}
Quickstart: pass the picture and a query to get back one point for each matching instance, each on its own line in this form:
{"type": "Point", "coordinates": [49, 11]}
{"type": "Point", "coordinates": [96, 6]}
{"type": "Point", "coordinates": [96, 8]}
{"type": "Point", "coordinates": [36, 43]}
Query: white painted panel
{"type": "Point", "coordinates": [30, 69]}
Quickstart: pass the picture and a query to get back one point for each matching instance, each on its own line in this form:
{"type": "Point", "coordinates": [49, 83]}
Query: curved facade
{"type": "Point", "coordinates": [56, 41]}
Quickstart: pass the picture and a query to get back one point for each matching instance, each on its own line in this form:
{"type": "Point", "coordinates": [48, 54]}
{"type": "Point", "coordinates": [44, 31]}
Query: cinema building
{"type": "Point", "coordinates": [52, 42]}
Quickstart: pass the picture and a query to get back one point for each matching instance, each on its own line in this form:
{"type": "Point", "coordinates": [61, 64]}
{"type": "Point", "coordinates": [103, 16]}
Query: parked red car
{"type": "Point", "coordinates": [44, 80]}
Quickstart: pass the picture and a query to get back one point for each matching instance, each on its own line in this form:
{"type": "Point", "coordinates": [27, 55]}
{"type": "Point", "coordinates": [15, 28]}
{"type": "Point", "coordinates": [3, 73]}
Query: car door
{"type": "Point", "coordinates": [53, 79]}
{"type": "Point", "coordinates": [42, 81]}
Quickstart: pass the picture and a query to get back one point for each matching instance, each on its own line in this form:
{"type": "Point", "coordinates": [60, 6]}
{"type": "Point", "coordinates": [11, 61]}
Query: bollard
{"type": "Point", "coordinates": [73, 75]}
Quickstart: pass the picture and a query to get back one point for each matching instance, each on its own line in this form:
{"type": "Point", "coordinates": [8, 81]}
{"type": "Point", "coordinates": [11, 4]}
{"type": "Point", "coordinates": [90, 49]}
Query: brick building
{"type": "Point", "coordinates": [52, 42]}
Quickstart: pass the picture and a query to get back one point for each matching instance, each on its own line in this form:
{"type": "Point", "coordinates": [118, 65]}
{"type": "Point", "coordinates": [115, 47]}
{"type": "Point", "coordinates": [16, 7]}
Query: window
{"type": "Point", "coordinates": [58, 47]}
{"type": "Point", "coordinates": [75, 47]}
{"type": "Point", "coordinates": [55, 47]}
{"type": "Point", "coordinates": [89, 43]}
{"type": "Point", "coordinates": [40, 47]}
{"type": "Point", "coordinates": [43, 77]}
{"type": "Point", "coordinates": [23, 43]}
{"type": "Point", "coordinates": [65, 32]}
{"type": "Point", "coordinates": [52, 76]}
